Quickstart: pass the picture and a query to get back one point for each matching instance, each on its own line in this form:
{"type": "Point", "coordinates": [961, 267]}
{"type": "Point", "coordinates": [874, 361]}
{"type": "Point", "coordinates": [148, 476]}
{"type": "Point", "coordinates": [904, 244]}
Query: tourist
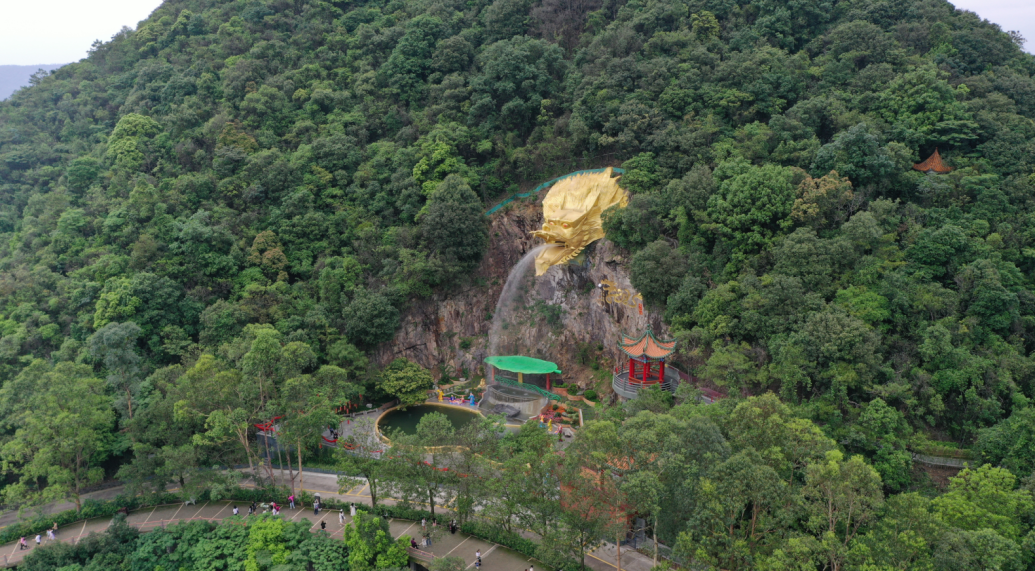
{"type": "Point", "coordinates": [237, 511]}
{"type": "Point", "coordinates": [291, 501]}
{"type": "Point", "coordinates": [352, 509]}
{"type": "Point", "coordinates": [316, 507]}
{"type": "Point", "coordinates": [478, 555]}
{"type": "Point", "coordinates": [413, 543]}
{"type": "Point", "coordinates": [54, 530]}
{"type": "Point", "coordinates": [22, 544]}
{"type": "Point", "coordinates": [341, 516]}
{"type": "Point", "coordinates": [38, 540]}
{"type": "Point", "coordinates": [50, 534]}
{"type": "Point", "coordinates": [423, 524]}
{"type": "Point", "coordinates": [323, 526]}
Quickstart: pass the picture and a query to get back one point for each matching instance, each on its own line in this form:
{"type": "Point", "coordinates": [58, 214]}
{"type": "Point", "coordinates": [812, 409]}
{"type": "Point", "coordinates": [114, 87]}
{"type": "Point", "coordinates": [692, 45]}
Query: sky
{"type": "Point", "coordinates": [61, 31]}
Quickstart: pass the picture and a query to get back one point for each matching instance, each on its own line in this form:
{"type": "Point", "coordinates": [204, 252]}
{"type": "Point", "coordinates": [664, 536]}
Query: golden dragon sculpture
{"type": "Point", "coordinates": [571, 214]}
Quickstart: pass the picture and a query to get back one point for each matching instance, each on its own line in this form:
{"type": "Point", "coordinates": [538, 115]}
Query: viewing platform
{"type": "Point", "coordinates": [627, 389]}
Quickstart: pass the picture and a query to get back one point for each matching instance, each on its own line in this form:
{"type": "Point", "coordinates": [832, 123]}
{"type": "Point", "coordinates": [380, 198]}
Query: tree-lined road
{"type": "Point", "coordinates": [494, 557]}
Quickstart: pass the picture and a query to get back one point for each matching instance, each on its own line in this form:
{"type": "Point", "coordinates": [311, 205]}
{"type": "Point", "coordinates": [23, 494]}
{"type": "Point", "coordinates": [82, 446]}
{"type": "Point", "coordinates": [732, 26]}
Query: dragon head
{"type": "Point", "coordinates": [572, 212]}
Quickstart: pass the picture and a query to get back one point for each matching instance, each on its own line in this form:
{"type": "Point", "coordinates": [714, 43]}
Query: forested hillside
{"type": "Point", "coordinates": [224, 210]}
{"type": "Point", "coordinates": [14, 77]}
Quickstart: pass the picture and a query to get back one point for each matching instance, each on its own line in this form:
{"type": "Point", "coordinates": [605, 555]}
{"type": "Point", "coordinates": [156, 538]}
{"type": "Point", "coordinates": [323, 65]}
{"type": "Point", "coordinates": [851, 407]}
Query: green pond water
{"type": "Point", "coordinates": [406, 420]}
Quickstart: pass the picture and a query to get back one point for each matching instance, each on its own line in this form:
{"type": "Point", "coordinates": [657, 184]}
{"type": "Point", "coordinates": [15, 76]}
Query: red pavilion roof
{"type": "Point", "coordinates": [933, 164]}
{"type": "Point", "coordinates": [647, 347]}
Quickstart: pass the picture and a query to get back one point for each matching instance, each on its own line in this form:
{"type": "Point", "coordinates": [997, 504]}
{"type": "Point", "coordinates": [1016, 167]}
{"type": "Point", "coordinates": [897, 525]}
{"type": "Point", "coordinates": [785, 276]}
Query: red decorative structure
{"type": "Point", "coordinates": [933, 164]}
{"type": "Point", "coordinates": [643, 351]}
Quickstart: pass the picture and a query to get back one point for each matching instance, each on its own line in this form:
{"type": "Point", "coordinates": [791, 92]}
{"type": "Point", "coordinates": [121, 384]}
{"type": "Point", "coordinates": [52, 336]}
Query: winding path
{"type": "Point", "coordinates": [494, 557]}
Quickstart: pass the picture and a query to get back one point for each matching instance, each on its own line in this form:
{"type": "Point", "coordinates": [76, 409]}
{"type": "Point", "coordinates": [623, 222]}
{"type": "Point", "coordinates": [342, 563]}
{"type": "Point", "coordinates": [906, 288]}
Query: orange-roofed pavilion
{"type": "Point", "coordinates": [933, 164]}
{"type": "Point", "coordinates": [644, 351]}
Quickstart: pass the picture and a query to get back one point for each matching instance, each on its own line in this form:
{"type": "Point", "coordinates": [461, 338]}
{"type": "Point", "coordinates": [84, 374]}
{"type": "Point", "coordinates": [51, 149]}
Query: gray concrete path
{"type": "Point", "coordinates": [494, 557]}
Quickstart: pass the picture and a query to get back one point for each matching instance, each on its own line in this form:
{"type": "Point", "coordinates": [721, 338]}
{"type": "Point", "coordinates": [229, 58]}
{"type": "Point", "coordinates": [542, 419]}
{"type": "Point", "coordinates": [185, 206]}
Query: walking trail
{"type": "Point", "coordinates": [494, 557]}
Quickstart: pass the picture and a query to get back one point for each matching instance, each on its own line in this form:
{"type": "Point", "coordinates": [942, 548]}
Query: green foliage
{"type": "Point", "coordinates": [1009, 443]}
{"type": "Point", "coordinates": [370, 318]}
{"type": "Point", "coordinates": [454, 228]}
{"type": "Point", "coordinates": [986, 498]}
{"type": "Point", "coordinates": [656, 271]}
{"type": "Point", "coordinates": [371, 546]}
{"type": "Point", "coordinates": [233, 204]}
{"type": "Point", "coordinates": [61, 432]}
{"type": "Point", "coordinates": [406, 381]}
{"type": "Point", "coordinates": [258, 543]}
{"type": "Point", "coordinates": [750, 204]}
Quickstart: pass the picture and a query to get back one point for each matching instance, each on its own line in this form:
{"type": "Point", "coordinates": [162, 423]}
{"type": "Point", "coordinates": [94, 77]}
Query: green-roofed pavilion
{"type": "Point", "coordinates": [524, 365]}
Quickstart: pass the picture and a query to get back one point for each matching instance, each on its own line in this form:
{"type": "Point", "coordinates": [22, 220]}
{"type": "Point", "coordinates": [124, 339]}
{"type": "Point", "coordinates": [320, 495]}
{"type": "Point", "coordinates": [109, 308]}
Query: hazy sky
{"type": "Point", "coordinates": [61, 31]}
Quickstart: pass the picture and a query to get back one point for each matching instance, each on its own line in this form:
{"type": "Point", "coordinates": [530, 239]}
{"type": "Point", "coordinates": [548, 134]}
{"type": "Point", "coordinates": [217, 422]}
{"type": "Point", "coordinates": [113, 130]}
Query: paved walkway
{"type": "Point", "coordinates": [494, 557]}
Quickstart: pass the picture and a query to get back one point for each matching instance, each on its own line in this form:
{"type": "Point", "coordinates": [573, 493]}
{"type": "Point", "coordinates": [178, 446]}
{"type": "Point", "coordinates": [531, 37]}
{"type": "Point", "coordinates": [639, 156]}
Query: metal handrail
{"type": "Point", "coordinates": [544, 392]}
{"type": "Point", "coordinates": [621, 385]}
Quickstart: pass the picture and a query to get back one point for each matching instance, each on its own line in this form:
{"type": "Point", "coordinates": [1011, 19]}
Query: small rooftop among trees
{"type": "Point", "coordinates": [933, 164]}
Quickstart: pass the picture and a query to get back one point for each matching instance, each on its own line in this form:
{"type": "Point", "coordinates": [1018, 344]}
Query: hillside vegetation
{"type": "Point", "coordinates": [214, 218]}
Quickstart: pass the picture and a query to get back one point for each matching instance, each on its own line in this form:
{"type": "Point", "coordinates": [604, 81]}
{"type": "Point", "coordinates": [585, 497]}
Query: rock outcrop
{"type": "Point", "coordinates": [566, 320]}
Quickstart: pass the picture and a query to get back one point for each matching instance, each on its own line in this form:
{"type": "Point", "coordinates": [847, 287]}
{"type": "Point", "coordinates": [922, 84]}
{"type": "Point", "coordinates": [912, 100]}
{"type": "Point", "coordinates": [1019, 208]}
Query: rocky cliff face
{"type": "Point", "coordinates": [565, 312]}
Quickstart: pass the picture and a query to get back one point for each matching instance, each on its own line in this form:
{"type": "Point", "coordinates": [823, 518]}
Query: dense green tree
{"type": "Point", "coordinates": [371, 545]}
{"type": "Point", "coordinates": [61, 436]}
{"type": "Point", "coordinates": [750, 203]}
{"type": "Point", "coordinates": [454, 226]}
{"type": "Point", "coordinates": [406, 381]}
{"type": "Point", "coordinates": [114, 346]}
{"type": "Point", "coordinates": [370, 318]}
{"type": "Point", "coordinates": [656, 271]}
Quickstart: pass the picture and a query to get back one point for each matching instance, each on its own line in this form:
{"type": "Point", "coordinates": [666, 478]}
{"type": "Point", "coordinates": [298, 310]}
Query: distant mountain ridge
{"type": "Point", "coordinates": [14, 77]}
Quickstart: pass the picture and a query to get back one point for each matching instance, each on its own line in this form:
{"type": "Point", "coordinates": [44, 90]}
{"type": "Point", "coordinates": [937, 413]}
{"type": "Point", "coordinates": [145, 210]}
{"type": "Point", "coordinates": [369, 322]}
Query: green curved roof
{"type": "Point", "coordinates": [528, 365]}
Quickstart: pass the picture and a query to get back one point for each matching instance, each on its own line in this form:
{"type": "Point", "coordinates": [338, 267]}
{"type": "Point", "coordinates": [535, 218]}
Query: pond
{"type": "Point", "coordinates": [407, 420]}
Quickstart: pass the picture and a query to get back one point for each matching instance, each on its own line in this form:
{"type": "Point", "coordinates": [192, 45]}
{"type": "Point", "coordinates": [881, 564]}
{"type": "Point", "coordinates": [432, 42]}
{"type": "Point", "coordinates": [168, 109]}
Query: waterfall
{"type": "Point", "coordinates": [511, 297]}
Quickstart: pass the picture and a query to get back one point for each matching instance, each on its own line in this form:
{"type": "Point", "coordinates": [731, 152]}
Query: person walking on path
{"type": "Point", "coordinates": [22, 544]}
{"type": "Point", "coordinates": [341, 516]}
{"type": "Point", "coordinates": [236, 511]}
{"type": "Point", "coordinates": [323, 526]}
{"type": "Point", "coordinates": [50, 534]}
{"type": "Point", "coordinates": [291, 501]}
{"type": "Point", "coordinates": [316, 507]}
{"type": "Point", "coordinates": [38, 539]}
{"type": "Point", "coordinates": [423, 524]}
{"type": "Point", "coordinates": [352, 509]}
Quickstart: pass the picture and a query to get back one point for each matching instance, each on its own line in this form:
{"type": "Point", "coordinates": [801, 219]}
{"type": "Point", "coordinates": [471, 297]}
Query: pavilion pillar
{"type": "Point", "coordinates": [548, 381]}
{"type": "Point", "coordinates": [646, 367]}
{"type": "Point", "coordinates": [661, 372]}
{"type": "Point", "coordinates": [631, 373]}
